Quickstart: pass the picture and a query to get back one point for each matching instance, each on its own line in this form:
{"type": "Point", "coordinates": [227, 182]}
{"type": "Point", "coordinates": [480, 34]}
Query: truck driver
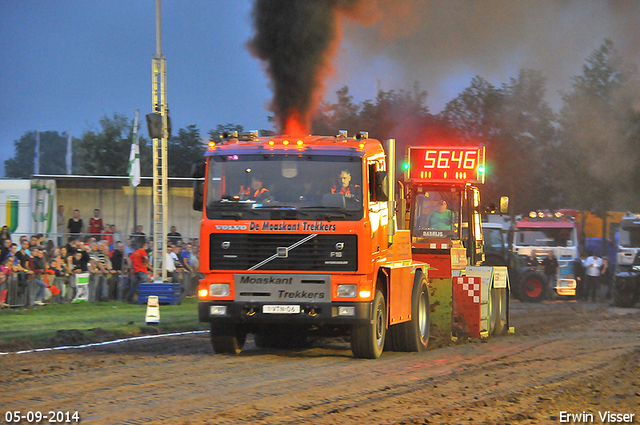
{"type": "Point", "coordinates": [350, 191]}
{"type": "Point", "coordinates": [440, 218]}
{"type": "Point", "coordinates": [257, 192]}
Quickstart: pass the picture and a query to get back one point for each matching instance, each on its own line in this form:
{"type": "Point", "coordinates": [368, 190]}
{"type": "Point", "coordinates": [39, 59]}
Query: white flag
{"type": "Point", "coordinates": [134, 157]}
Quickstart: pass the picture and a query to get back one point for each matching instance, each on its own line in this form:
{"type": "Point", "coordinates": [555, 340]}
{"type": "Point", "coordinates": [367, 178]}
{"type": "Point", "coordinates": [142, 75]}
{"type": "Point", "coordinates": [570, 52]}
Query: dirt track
{"type": "Point", "coordinates": [564, 356]}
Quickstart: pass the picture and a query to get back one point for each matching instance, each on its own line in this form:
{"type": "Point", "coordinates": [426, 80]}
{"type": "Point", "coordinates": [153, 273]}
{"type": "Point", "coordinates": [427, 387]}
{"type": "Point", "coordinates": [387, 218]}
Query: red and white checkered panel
{"type": "Point", "coordinates": [466, 306]}
{"type": "Point", "coordinates": [472, 288]}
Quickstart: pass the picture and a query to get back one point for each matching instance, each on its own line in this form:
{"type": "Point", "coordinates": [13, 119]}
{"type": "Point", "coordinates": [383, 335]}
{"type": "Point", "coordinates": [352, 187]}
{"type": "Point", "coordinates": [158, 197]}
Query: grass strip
{"type": "Point", "coordinates": [82, 323]}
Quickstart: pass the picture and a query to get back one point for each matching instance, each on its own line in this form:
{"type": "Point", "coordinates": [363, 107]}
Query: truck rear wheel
{"type": "Point", "coordinates": [367, 341]}
{"type": "Point", "coordinates": [498, 314]}
{"type": "Point", "coordinates": [414, 334]}
{"type": "Point", "coordinates": [227, 339]}
{"type": "Point", "coordinates": [624, 290]}
{"type": "Point", "coordinates": [532, 287]}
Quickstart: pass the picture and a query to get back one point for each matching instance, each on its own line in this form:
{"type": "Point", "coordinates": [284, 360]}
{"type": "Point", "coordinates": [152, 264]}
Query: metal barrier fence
{"type": "Point", "coordinates": [18, 290]}
{"type": "Point", "coordinates": [60, 239]}
{"type": "Point", "coordinates": [22, 290]}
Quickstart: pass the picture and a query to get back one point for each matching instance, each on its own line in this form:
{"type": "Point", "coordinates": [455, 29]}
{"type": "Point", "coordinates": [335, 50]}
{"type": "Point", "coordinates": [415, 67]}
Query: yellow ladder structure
{"type": "Point", "coordinates": [160, 187]}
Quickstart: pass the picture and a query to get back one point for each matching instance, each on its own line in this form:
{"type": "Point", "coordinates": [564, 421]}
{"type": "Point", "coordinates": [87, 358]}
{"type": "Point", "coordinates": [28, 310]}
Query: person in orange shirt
{"type": "Point", "coordinates": [257, 192]}
{"type": "Point", "coordinates": [140, 268]}
{"type": "Point", "coordinates": [350, 191]}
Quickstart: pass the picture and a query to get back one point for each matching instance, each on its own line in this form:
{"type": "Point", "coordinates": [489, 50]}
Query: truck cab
{"type": "Point", "coordinates": [626, 284]}
{"type": "Point", "coordinates": [542, 232]}
{"type": "Point", "coordinates": [299, 237]}
{"type": "Point", "coordinates": [628, 241]}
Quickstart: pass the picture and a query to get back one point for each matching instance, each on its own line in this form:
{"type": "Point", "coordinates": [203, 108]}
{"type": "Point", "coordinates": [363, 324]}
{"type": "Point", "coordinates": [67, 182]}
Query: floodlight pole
{"type": "Point", "coordinates": [159, 190]}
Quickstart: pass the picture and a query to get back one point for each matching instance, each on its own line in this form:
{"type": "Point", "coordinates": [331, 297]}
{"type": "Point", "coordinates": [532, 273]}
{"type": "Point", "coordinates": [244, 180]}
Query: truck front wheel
{"type": "Point", "coordinates": [367, 341]}
{"type": "Point", "coordinates": [227, 339]}
{"type": "Point", "coordinates": [414, 334]}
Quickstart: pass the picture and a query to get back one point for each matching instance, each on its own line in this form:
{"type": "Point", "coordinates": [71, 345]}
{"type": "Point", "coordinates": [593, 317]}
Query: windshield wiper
{"type": "Point", "coordinates": [280, 208]}
{"type": "Point", "coordinates": [329, 216]}
{"type": "Point", "coordinates": [333, 213]}
{"type": "Point", "coordinates": [237, 214]}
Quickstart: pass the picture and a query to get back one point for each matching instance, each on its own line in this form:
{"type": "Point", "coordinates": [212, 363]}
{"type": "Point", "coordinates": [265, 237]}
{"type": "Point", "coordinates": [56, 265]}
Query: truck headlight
{"type": "Point", "coordinates": [219, 290]}
{"type": "Point", "coordinates": [347, 291]}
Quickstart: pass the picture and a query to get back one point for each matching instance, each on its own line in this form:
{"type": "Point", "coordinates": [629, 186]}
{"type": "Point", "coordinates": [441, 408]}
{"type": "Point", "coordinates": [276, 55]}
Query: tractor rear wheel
{"type": "Point", "coordinates": [625, 290]}
{"type": "Point", "coordinates": [498, 310]}
{"type": "Point", "coordinates": [532, 287]}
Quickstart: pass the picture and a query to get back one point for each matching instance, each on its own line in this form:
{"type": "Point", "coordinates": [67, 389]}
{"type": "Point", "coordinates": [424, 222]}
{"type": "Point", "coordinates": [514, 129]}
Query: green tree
{"type": "Point", "coordinates": [53, 151]}
{"type": "Point", "coordinates": [184, 150]}
{"type": "Point", "coordinates": [516, 125]}
{"type": "Point", "coordinates": [474, 115]}
{"type": "Point", "coordinates": [221, 128]}
{"type": "Point", "coordinates": [343, 115]}
{"type": "Point", "coordinates": [214, 135]}
{"type": "Point", "coordinates": [106, 153]}
{"type": "Point", "coordinates": [383, 118]}
{"type": "Point", "coordinates": [524, 144]}
{"type": "Point", "coordinates": [600, 130]}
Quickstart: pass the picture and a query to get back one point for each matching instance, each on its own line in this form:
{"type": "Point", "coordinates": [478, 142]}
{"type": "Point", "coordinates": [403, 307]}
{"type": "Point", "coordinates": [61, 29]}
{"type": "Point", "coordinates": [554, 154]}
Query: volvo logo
{"type": "Point", "coordinates": [340, 246]}
{"type": "Point", "coordinates": [226, 245]}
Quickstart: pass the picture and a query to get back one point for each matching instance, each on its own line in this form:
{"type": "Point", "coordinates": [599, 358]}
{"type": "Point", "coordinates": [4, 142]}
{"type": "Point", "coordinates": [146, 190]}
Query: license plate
{"type": "Point", "coordinates": [281, 309]}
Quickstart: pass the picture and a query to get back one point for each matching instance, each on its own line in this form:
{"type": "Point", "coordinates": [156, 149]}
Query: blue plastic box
{"type": "Point", "coordinates": [167, 293]}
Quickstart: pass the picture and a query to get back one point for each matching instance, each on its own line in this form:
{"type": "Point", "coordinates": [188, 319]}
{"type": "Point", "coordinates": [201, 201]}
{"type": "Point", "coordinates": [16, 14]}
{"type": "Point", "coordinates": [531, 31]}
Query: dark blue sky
{"type": "Point", "coordinates": [65, 64]}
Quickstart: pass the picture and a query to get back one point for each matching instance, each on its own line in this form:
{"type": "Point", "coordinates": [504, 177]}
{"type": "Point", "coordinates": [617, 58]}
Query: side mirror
{"type": "Point", "coordinates": [198, 195]}
{"type": "Point", "coordinates": [380, 186]}
{"type": "Point", "coordinates": [504, 204]}
{"type": "Point", "coordinates": [198, 171]}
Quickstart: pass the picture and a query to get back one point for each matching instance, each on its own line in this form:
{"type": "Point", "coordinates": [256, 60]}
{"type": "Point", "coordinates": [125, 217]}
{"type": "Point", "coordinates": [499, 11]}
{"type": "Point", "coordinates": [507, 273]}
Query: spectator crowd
{"type": "Point", "coordinates": [36, 270]}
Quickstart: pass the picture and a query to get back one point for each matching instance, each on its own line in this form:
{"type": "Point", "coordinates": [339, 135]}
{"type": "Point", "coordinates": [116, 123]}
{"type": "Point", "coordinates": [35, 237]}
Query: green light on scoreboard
{"type": "Point", "coordinates": [405, 166]}
{"type": "Point", "coordinates": [481, 169]}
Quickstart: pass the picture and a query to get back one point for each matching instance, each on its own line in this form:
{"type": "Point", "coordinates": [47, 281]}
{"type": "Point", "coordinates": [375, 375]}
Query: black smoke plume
{"type": "Point", "coordinates": [295, 39]}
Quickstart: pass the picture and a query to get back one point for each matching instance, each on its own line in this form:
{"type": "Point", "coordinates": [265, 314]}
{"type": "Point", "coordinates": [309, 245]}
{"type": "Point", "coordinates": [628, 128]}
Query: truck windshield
{"type": "Point", "coordinates": [493, 239]}
{"type": "Point", "coordinates": [630, 237]}
{"type": "Point", "coordinates": [437, 214]}
{"type": "Point", "coordinates": [279, 187]}
{"type": "Point", "coordinates": [545, 236]}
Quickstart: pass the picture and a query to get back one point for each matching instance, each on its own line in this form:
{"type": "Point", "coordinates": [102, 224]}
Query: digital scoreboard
{"type": "Point", "coordinates": [446, 164]}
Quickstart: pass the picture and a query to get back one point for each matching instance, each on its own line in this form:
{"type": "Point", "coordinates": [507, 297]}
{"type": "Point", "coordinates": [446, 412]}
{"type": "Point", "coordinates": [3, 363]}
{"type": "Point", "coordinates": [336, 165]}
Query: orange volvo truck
{"type": "Point", "coordinates": [299, 236]}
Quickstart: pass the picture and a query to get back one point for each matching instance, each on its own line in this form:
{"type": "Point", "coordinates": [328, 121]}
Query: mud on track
{"type": "Point", "coordinates": [564, 356]}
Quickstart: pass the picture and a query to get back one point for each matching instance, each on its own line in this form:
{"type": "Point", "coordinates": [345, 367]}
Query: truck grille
{"type": "Point", "coordinates": [239, 251]}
